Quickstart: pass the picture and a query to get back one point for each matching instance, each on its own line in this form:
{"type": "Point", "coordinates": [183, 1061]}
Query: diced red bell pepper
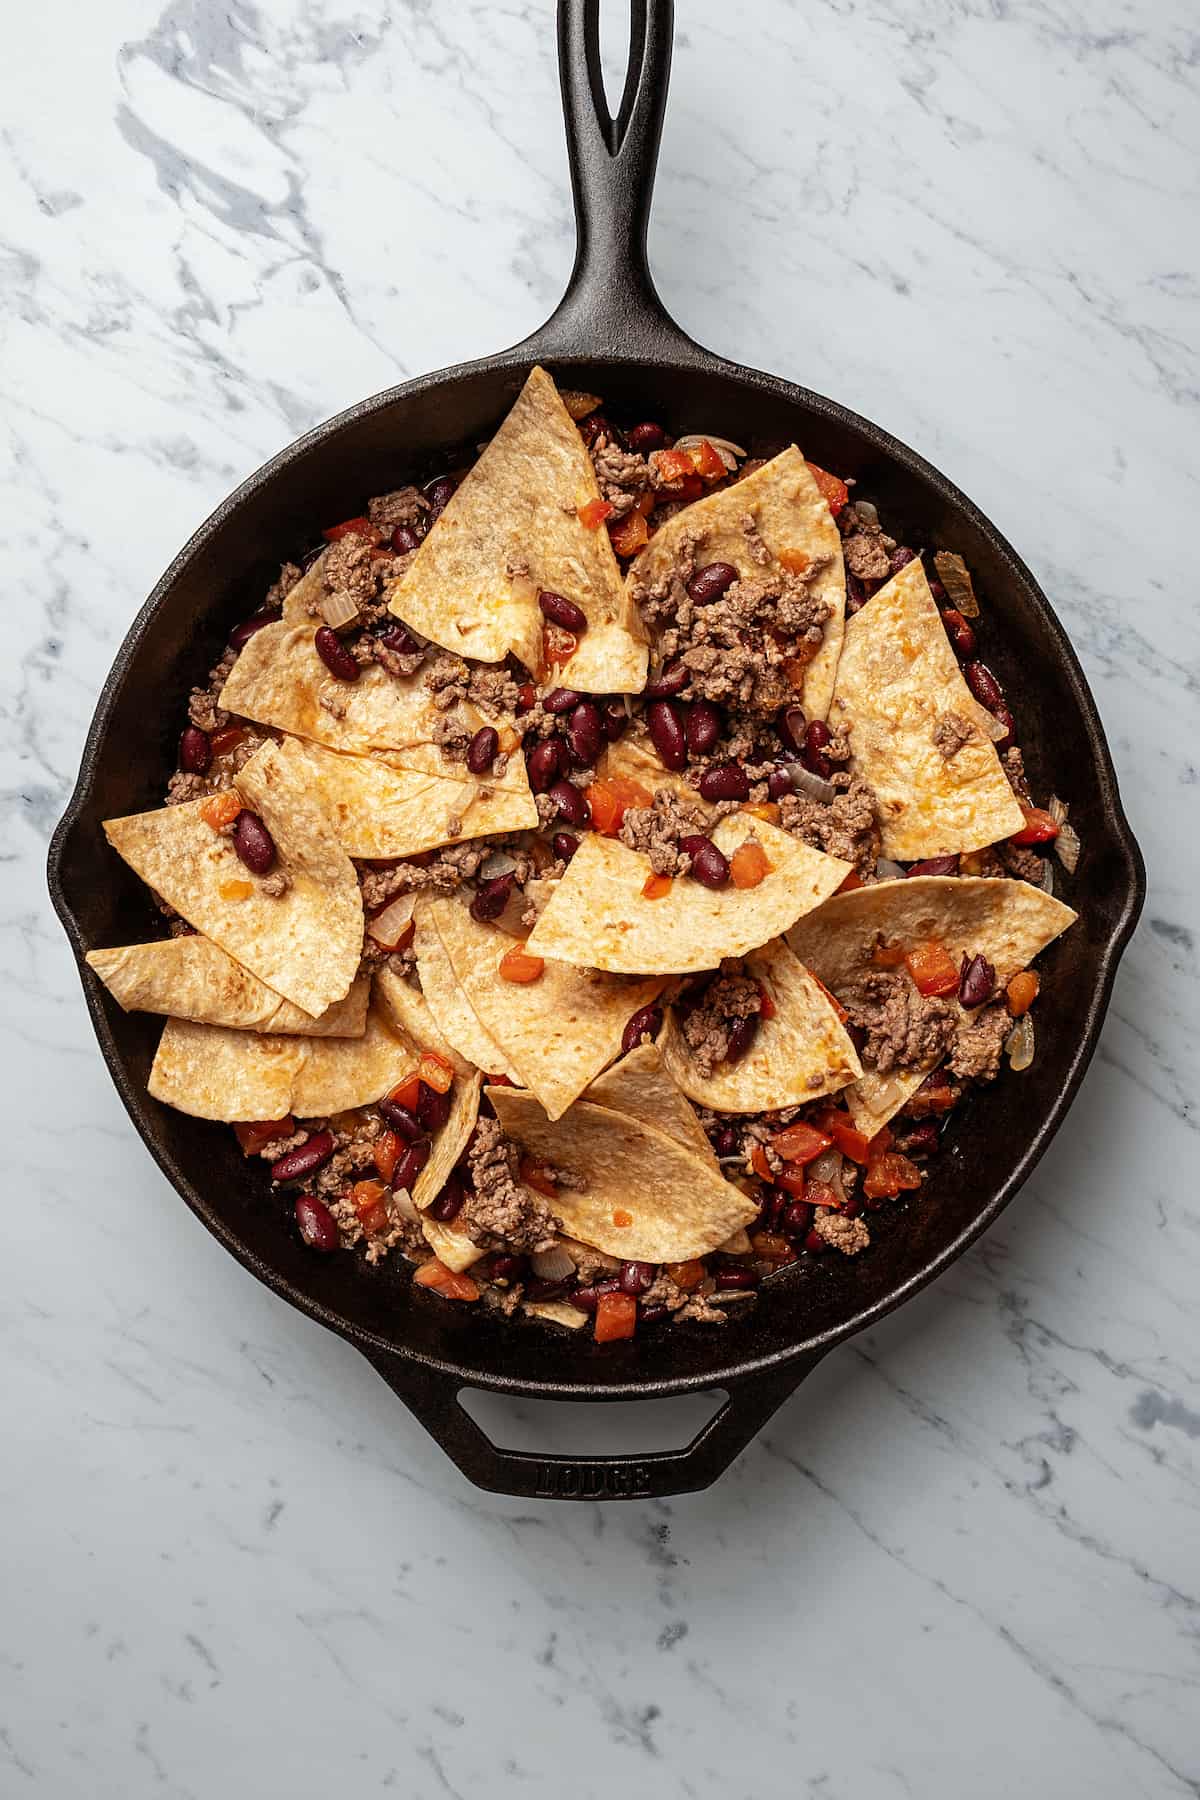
{"type": "Point", "coordinates": [385, 1153]}
{"type": "Point", "coordinates": [792, 1181]}
{"type": "Point", "coordinates": [833, 488]}
{"type": "Point", "coordinates": [593, 513]}
{"type": "Point", "coordinates": [360, 526]}
{"type": "Point", "coordinates": [534, 1175]}
{"type": "Point", "coordinates": [656, 887]}
{"type": "Point", "coordinates": [890, 1174]}
{"type": "Point", "coordinates": [759, 1163]}
{"type": "Point", "coordinates": [799, 1143]}
{"type": "Point", "coordinates": [767, 1007]}
{"type": "Point", "coordinates": [407, 1092]}
{"type": "Point", "coordinates": [850, 882]}
{"type": "Point", "coordinates": [1039, 828]}
{"type": "Point", "coordinates": [707, 461]}
{"type": "Point", "coordinates": [435, 1072]}
{"type": "Point", "coordinates": [840, 1127]}
{"type": "Point", "coordinates": [616, 1317]}
{"type": "Point", "coordinates": [630, 534]}
{"type": "Point", "coordinates": [253, 1136]}
{"type": "Point", "coordinates": [449, 1283]}
{"type": "Point", "coordinates": [932, 968]}
{"type": "Point", "coordinates": [558, 646]}
{"type": "Point", "coordinates": [610, 798]}
{"type": "Point", "coordinates": [673, 465]}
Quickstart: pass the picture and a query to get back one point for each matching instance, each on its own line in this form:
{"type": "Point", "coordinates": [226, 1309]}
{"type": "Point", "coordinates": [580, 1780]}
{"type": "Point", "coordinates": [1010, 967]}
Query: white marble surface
{"type": "Point", "coordinates": [965, 1557]}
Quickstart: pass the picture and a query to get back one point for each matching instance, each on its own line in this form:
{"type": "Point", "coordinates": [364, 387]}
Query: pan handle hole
{"type": "Point", "coordinates": [583, 1428]}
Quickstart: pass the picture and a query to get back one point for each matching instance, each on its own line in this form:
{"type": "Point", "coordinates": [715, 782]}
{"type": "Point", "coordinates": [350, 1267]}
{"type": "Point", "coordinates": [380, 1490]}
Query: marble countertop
{"type": "Point", "coordinates": [965, 1556]}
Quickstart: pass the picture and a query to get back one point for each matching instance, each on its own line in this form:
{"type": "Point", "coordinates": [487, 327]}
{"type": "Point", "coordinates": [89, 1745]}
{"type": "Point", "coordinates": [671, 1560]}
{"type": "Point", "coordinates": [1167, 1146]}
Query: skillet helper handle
{"type": "Point", "coordinates": [433, 1399]}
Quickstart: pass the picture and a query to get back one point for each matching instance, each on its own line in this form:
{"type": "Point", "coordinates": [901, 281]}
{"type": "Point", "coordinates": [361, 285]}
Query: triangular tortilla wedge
{"type": "Point", "coordinates": [517, 510]}
{"type": "Point", "coordinates": [1008, 922]}
{"type": "Point", "coordinates": [798, 1054]}
{"type": "Point", "coordinates": [379, 811]}
{"type": "Point", "coordinates": [193, 978]}
{"type": "Point", "coordinates": [598, 916]}
{"type": "Point", "coordinates": [898, 683]}
{"type": "Point", "coordinates": [646, 1197]}
{"type": "Point", "coordinates": [452, 1012]}
{"type": "Point", "coordinates": [642, 1086]}
{"type": "Point", "coordinates": [306, 943]}
{"type": "Point", "coordinates": [408, 1010]}
{"type": "Point", "coordinates": [559, 1031]}
{"type": "Point", "coordinates": [451, 1246]}
{"type": "Point", "coordinates": [791, 515]}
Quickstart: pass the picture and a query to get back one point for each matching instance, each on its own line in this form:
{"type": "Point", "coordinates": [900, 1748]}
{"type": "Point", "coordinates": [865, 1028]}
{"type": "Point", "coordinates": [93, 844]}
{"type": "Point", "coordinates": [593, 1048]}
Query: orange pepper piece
{"type": "Point", "coordinates": [221, 809]}
{"type": "Point", "coordinates": [799, 1143]}
{"type": "Point", "coordinates": [518, 966]}
{"type": "Point", "coordinates": [446, 1282]}
{"type": "Point", "coordinates": [630, 534]}
{"type": "Point", "coordinates": [686, 1275]}
{"type": "Point", "coordinates": [932, 968]}
{"type": "Point", "coordinates": [833, 489]}
{"type": "Point", "coordinates": [593, 513]}
{"type": "Point", "coordinates": [749, 864]}
{"type": "Point", "coordinates": [435, 1072]}
{"type": "Point", "coordinates": [1022, 991]}
{"type": "Point", "coordinates": [610, 798]}
{"type": "Point", "coordinates": [655, 886]}
{"type": "Point", "coordinates": [616, 1317]}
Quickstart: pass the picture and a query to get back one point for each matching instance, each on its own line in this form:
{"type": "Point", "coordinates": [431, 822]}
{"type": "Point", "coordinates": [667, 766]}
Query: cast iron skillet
{"type": "Point", "coordinates": [609, 335]}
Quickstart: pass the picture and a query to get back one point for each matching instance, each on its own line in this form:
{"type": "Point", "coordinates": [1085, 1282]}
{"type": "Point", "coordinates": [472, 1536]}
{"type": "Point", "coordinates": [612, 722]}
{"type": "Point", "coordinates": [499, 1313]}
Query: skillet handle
{"type": "Point", "coordinates": [611, 307]}
{"type": "Point", "coordinates": [433, 1398]}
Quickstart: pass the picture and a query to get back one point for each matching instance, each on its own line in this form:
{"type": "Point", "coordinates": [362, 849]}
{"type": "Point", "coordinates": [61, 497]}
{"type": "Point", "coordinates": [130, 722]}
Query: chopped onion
{"type": "Point", "coordinates": [989, 723]}
{"type": "Point", "coordinates": [1067, 847]}
{"type": "Point", "coordinates": [496, 862]}
{"type": "Point", "coordinates": [388, 927]}
{"type": "Point", "coordinates": [1058, 809]}
{"type": "Point", "coordinates": [552, 1265]}
{"type": "Point", "coordinates": [887, 870]}
{"type": "Point", "coordinates": [736, 1158]}
{"type": "Point", "coordinates": [866, 512]}
{"type": "Point", "coordinates": [955, 577]}
{"type": "Point", "coordinates": [727, 451]}
{"type": "Point", "coordinates": [1018, 1044]}
{"type": "Point", "coordinates": [339, 609]}
{"type": "Point", "coordinates": [828, 1168]}
{"type": "Point", "coordinates": [1047, 882]}
{"type": "Point", "coordinates": [577, 404]}
{"type": "Point", "coordinates": [729, 1296]}
{"type": "Point", "coordinates": [805, 782]}
{"type": "Point", "coordinates": [405, 1205]}
{"type": "Point", "coordinates": [737, 1245]}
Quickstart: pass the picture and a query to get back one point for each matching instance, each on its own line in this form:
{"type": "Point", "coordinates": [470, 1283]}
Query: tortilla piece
{"type": "Point", "coordinates": [450, 1141]}
{"type": "Point", "coordinates": [791, 514]}
{"type": "Point", "coordinates": [302, 602]}
{"type": "Point", "coordinates": [340, 1073]}
{"type": "Point", "coordinates": [559, 1031]}
{"type": "Point", "coordinates": [453, 1248]}
{"type": "Point", "coordinates": [555, 1312]}
{"type": "Point", "coordinates": [898, 682]}
{"type": "Point", "coordinates": [676, 1205]}
{"type": "Point", "coordinates": [306, 943]}
{"type": "Point", "coordinates": [452, 1012]}
{"type": "Point", "coordinates": [380, 811]}
{"type": "Point", "coordinates": [408, 1010]}
{"type": "Point", "coordinates": [598, 916]}
{"type": "Point", "coordinates": [1009, 922]}
{"type": "Point", "coordinates": [637, 760]}
{"type": "Point", "coordinates": [517, 509]}
{"type": "Point", "coordinates": [798, 1054]}
{"type": "Point", "coordinates": [192, 978]}
{"type": "Point", "coordinates": [641, 1086]}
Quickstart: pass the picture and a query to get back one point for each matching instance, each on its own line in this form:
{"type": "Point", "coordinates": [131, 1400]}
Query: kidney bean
{"type": "Point", "coordinates": [594, 425]}
{"type": "Point", "coordinates": [815, 1244]}
{"type": "Point", "coordinates": [561, 700]}
{"type": "Point", "coordinates": [543, 763]}
{"type": "Point", "coordinates": [432, 1108]}
{"type": "Point", "coordinates": [564, 845]}
{"type": "Point", "coordinates": [399, 638]}
{"type": "Point", "coordinates": [401, 1120]}
{"type": "Point", "coordinates": [773, 1202]}
{"type": "Point", "coordinates": [304, 1160]}
{"type": "Point", "coordinates": [901, 557]}
{"type": "Point", "coordinates": [856, 593]}
{"type": "Point", "coordinates": [571, 804]}
{"type": "Point", "coordinates": [779, 783]}
{"type": "Point", "coordinates": [937, 590]}
{"type": "Point", "coordinates": [671, 679]}
{"type": "Point", "coordinates": [547, 1290]}
{"type": "Point", "coordinates": [935, 865]}
{"type": "Point", "coordinates": [502, 1267]}
{"type": "Point", "coordinates": [960, 631]}
{"type": "Point", "coordinates": [405, 538]}
{"type": "Point", "coordinates": [410, 1165]}
{"type": "Point", "coordinates": [733, 1275]}
{"type": "Point", "coordinates": [483, 750]}
{"type": "Point", "coordinates": [796, 1218]}
{"type": "Point", "coordinates": [253, 842]}
{"type": "Point", "coordinates": [644, 438]}
{"type": "Point", "coordinates": [439, 494]}
{"type": "Point", "coordinates": [816, 736]}
{"type": "Point", "coordinates": [449, 1202]}
{"type": "Point", "coordinates": [561, 611]}
{"type": "Point", "coordinates": [725, 1143]}
{"type": "Point", "coordinates": [646, 1022]}
{"type": "Point", "coordinates": [316, 1222]}
{"type": "Point", "coordinates": [588, 1298]}
{"type": "Point", "coordinates": [636, 1277]}
{"type": "Point", "coordinates": [702, 728]}
{"type": "Point", "coordinates": [334, 654]}
{"type": "Point", "coordinates": [195, 751]}
{"type": "Point", "coordinates": [614, 720]}
{"type": "Point", "coordinates": [650, 1315]}
{"type": "Point", "coordinates": [922, 1140]}
{"type": "Point", "coordinates": [491, 897]}
{"type": "Point", "coordinates": [666, 729]}
{"type": "Point", "coordinates": [791, 726]}
{"type": "Point", "coordinates": [708, 864]}
{"type": "Point", "coordinates": [728, 781]}
{"type": "Point", "coordinates": [240, 636]}
{"type": "Point", "coordinates": [742, 1034]}
{"type": "Point", "coordinates": [976, 981]}
{"type": "Point", "coordinates": [1005, 718]}
{"type": "Point", "coordinates": [710, 582]}
{"type": "Point", "coordinates": [585, 737]}
{"type": "Point", "coordinates": [984, 686]}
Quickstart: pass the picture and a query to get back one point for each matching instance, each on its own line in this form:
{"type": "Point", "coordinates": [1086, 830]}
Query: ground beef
{"type": "Point", "coordinates": [351, 1155]}
{"type": "Point", "coordinates": [950, 732]}
{"type": "Point", "coordinates": [447, 679]}
{"type": "Point", "coordinates": [397, 662]}
{"type": "Point", "coordinates": [281, 1145]}
{"type": "Point", "coordinates": [276, 884]}
{"type": "Point", "coordinates": [1023, 862]}
{"type": "Point", "coordinates": [979, 1042]}
{"type": "Point", "coordinates": [622, 476]}
{"type": "Point", "coordinates": [350, 568]}
{"type": "Point", "coordinates": [182, 788]}
{"type": "Point", "coordinates": [845, 826]}
{"type": "Point", "coordinates": [706, 1027]}
{"type": "Point", "coordinates": [202, 704]}
{"type": "Point", "coordinates": [403, 506]}
{"type": "Point", "coordinates": [452, 737]}
{"type": "Point", "coordinates": [494, 691]}
{"type": "Point", "coordinates": [865, 546]}
{"type": "Point", "coordinates": [847, 1235]}
{"type": "Point", "coordinates": [680, 1303]}
{"type": "Point", "coordinates": [499, 1206]}
{"type": "Point", "coordinates": [591, 1265]}
{"type": "Point", "coordinates": [905, 1029]}
{"type": "Point", "coordinates": [444, 872]}
{"type": "Point", "coordinates": [656, 830]}
{"type": "Point", "coordinates": [758, 548]}
{"type": "Point", "coordinates": [281, 587]}
{"type": "Point", "coordinates": [1013, 764]}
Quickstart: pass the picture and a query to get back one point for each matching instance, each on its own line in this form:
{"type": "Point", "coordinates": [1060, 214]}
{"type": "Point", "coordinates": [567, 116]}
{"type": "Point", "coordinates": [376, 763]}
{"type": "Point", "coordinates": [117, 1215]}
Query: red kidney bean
{"type": "Point", "coordinates": [708, 864]}
{"type": "Point", "coordinates": [502, 1267]}
{"type": "Point", "coordinates": [585, 737]}
{"type": "Point", "coordinates": [564, 845]}
{"type": "Point", "coordinates": [561, 700]}
{"type": "Point", "coordinates": [779, 783]}
{"type": "Point", "coordinates": [316, 1222]}
{"type": "Point", "coordinates": [773, 1202]}
{"type": "Point", "coordinates": [561, 611]}
{"type": "Point", "coordinates": [960, 631]}
{"type": "Point", "coordinates": [937, 590]}
{"type": "Point", "coordinates": [702, 728]}
{"type": "Point", "coordinates": [614, 720]}
{"type": "Point", "coordinates": [791, 726]}
{"type": "Point", "coordinates": [547, 1290]}
{"type": "Point", "coordinates": [449, 1202]}
{"type": "Point", "coordinates": [650, 1315]}
{"type": "Point", "coordinates": [483, 750]}
{"type": "Point", "coordinates": [491, 897]}
{"type": "Point", "coordinates": [734, 1276]}
{"type": "Point", "coordinates": [922, 1140]}
{"type": "Point", "coordinates": [666, 729]}
{"type": "Point", "coordinates": [725, 1142]}
{"type": "Point", "coordinates": [398, 637]}
{"type": "Point", "coordinates": [901, 557]}
{"type": "Point", "coordinates": [304, 1160]}
{"type": "Point", "coordinates": [636, 1277]}
{"type": "Point", "coordinates": [195, 751]}
{"type": "Point", "coordinates": [1005, 718]}
{"type": "Point", "coordinates": [646, 1022]}
{"type": "Point", "coordinates": [742, 1034]}
{"type": "Point", "coordinates": [253, 842]}
{"type": "Point", "coordinates": [851, 1206]}
{"type": "Point", "coordinates": [815, 1244]}
{"type": "Point", "coordinates": [334, 654]}
{"type": "Point", "coordinates": [543, 763]}
{"type": "Point", "coordinates": [401, 1120]}
{"type": "Point", "coordinates": [571, 804]}
{"type": "Point", "coordinates": [856, 1033]}
{"type": "Point", "coordinates": [796, 1218]}
{"type": "Point", "coordinates": [432, 1108]}
{"type": "Point", "coordinates": [729, 781]}
{"type": "Point", "coordinates": [241, 635]}
{"type": "Point", "coordinates": [856, 593]}
{"type": "Point", "coordinates": [710, 582]}
{"type": "Point", "coordinates": [935, 865]}
{"type": "Point", "coordinates": [976, 981]}
{"type": "Point", "coordinates": [594, 425]}
{"type": "Point", "coordinates": [984, 686]}
{"type": "Point", "coordinates": [671, 679]}
{"type": "Point", "coordinates": [405, 538]}
{"type": "Point", "coordinates": [588, 1298]}
{"type": "Point", "coordinates": [409, 1166]}
{"type": "Point", "coordinates": [439, 494]}
{"type": "Point", "coordinates": [644, 438]}
{"type": "Point", "coordinates": [813, 756]}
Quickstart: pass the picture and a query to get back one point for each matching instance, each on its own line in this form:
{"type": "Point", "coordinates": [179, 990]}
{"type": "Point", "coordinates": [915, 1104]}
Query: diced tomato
{"type": "Point", "coordinates": [833, 488]}
{"type": "Point", "coordinates": [252, 1137]}
{"type": "Point", "coordinates": [762, 809]}
{"type": "Point", "coordinates": [616, 1317]}
{"type": "Point", "coordinates": [361, 527]}
{"type": "Point", "coordinates": [610, 797]}
{"type": "Point", "coordinates": [1022, 991]}
{"type": "Point", "coordinates": [645, 503]}
{"type": "Point", "coordinates": [771, 1247]}
{"type": "Point", "coordinates": [499, 1081]}
{"type": "Point", "coordinates": [526, 695]}
{"type": "Point", "coordinates": [852, 880]}
{"type": "Point", "coordinates": [794, 561]}
{"type": "Point", "coordinates": [767, 1007]}
{"type": "Point", "coordinates": [889, 1175]}
{"type": "Point", "coordinates": [386, 1152]}
{"type": "Point", "coordinates": [450, 1284]}
{"type": "Point", "coordinates": [759, 1163]}
{"type": "Point", "coordinates": [656, 887]}
{"type": "Point", "coordinates": [707, 461]}
{"type": "Point", "coordinates": [518, 966]}
{"type": "Point", "coordinates": [686, 1275]}
{"type": "Point", "coordinates": [800, 1142]}
{"type": "Point", "coordinates": [935, 1095]}
{"type": "Point", "coordinates": [887, 956]}
{"type": "Point", "coordinates": [932, 968]}
{"type": "Point", "coordinates": [792, 1181]}
{"type": "Point", "coordinates": [690, 488]}
{"type": "Point", "coordinates": [882, 1140]}
{"type": "Point", "coordinates": [673, 465]}
{"type": "Point", "coordinates": [819, 1193]}
{"type": "Point", "coordinates": [593, 513]}
{"type": "Point", "coordinates": [407, 1092]}
{"type": "Point", "coordinates": [833, 1000]}
{"type": "Point", "coordinates": [228, 738]}
{"type": "Point", "coordinates": [221, 809]}
{"type": "Point", "coordinates": [749, 864]}
{"type": "Point", "coordinates": [840, 1127]}
{"type": "Point", "coordinates": [630, 534]}
{"type": "Point", "coordinates": [435, 1072]}
{"type": "Point", "coordinates": [369, 1200]}
{"type": "Point", "coordinates": [534, 1175]}
{"type": "Point", "coordinates": [558, 646]}
{"type": "Point", "coordinates": [1039, 828]}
